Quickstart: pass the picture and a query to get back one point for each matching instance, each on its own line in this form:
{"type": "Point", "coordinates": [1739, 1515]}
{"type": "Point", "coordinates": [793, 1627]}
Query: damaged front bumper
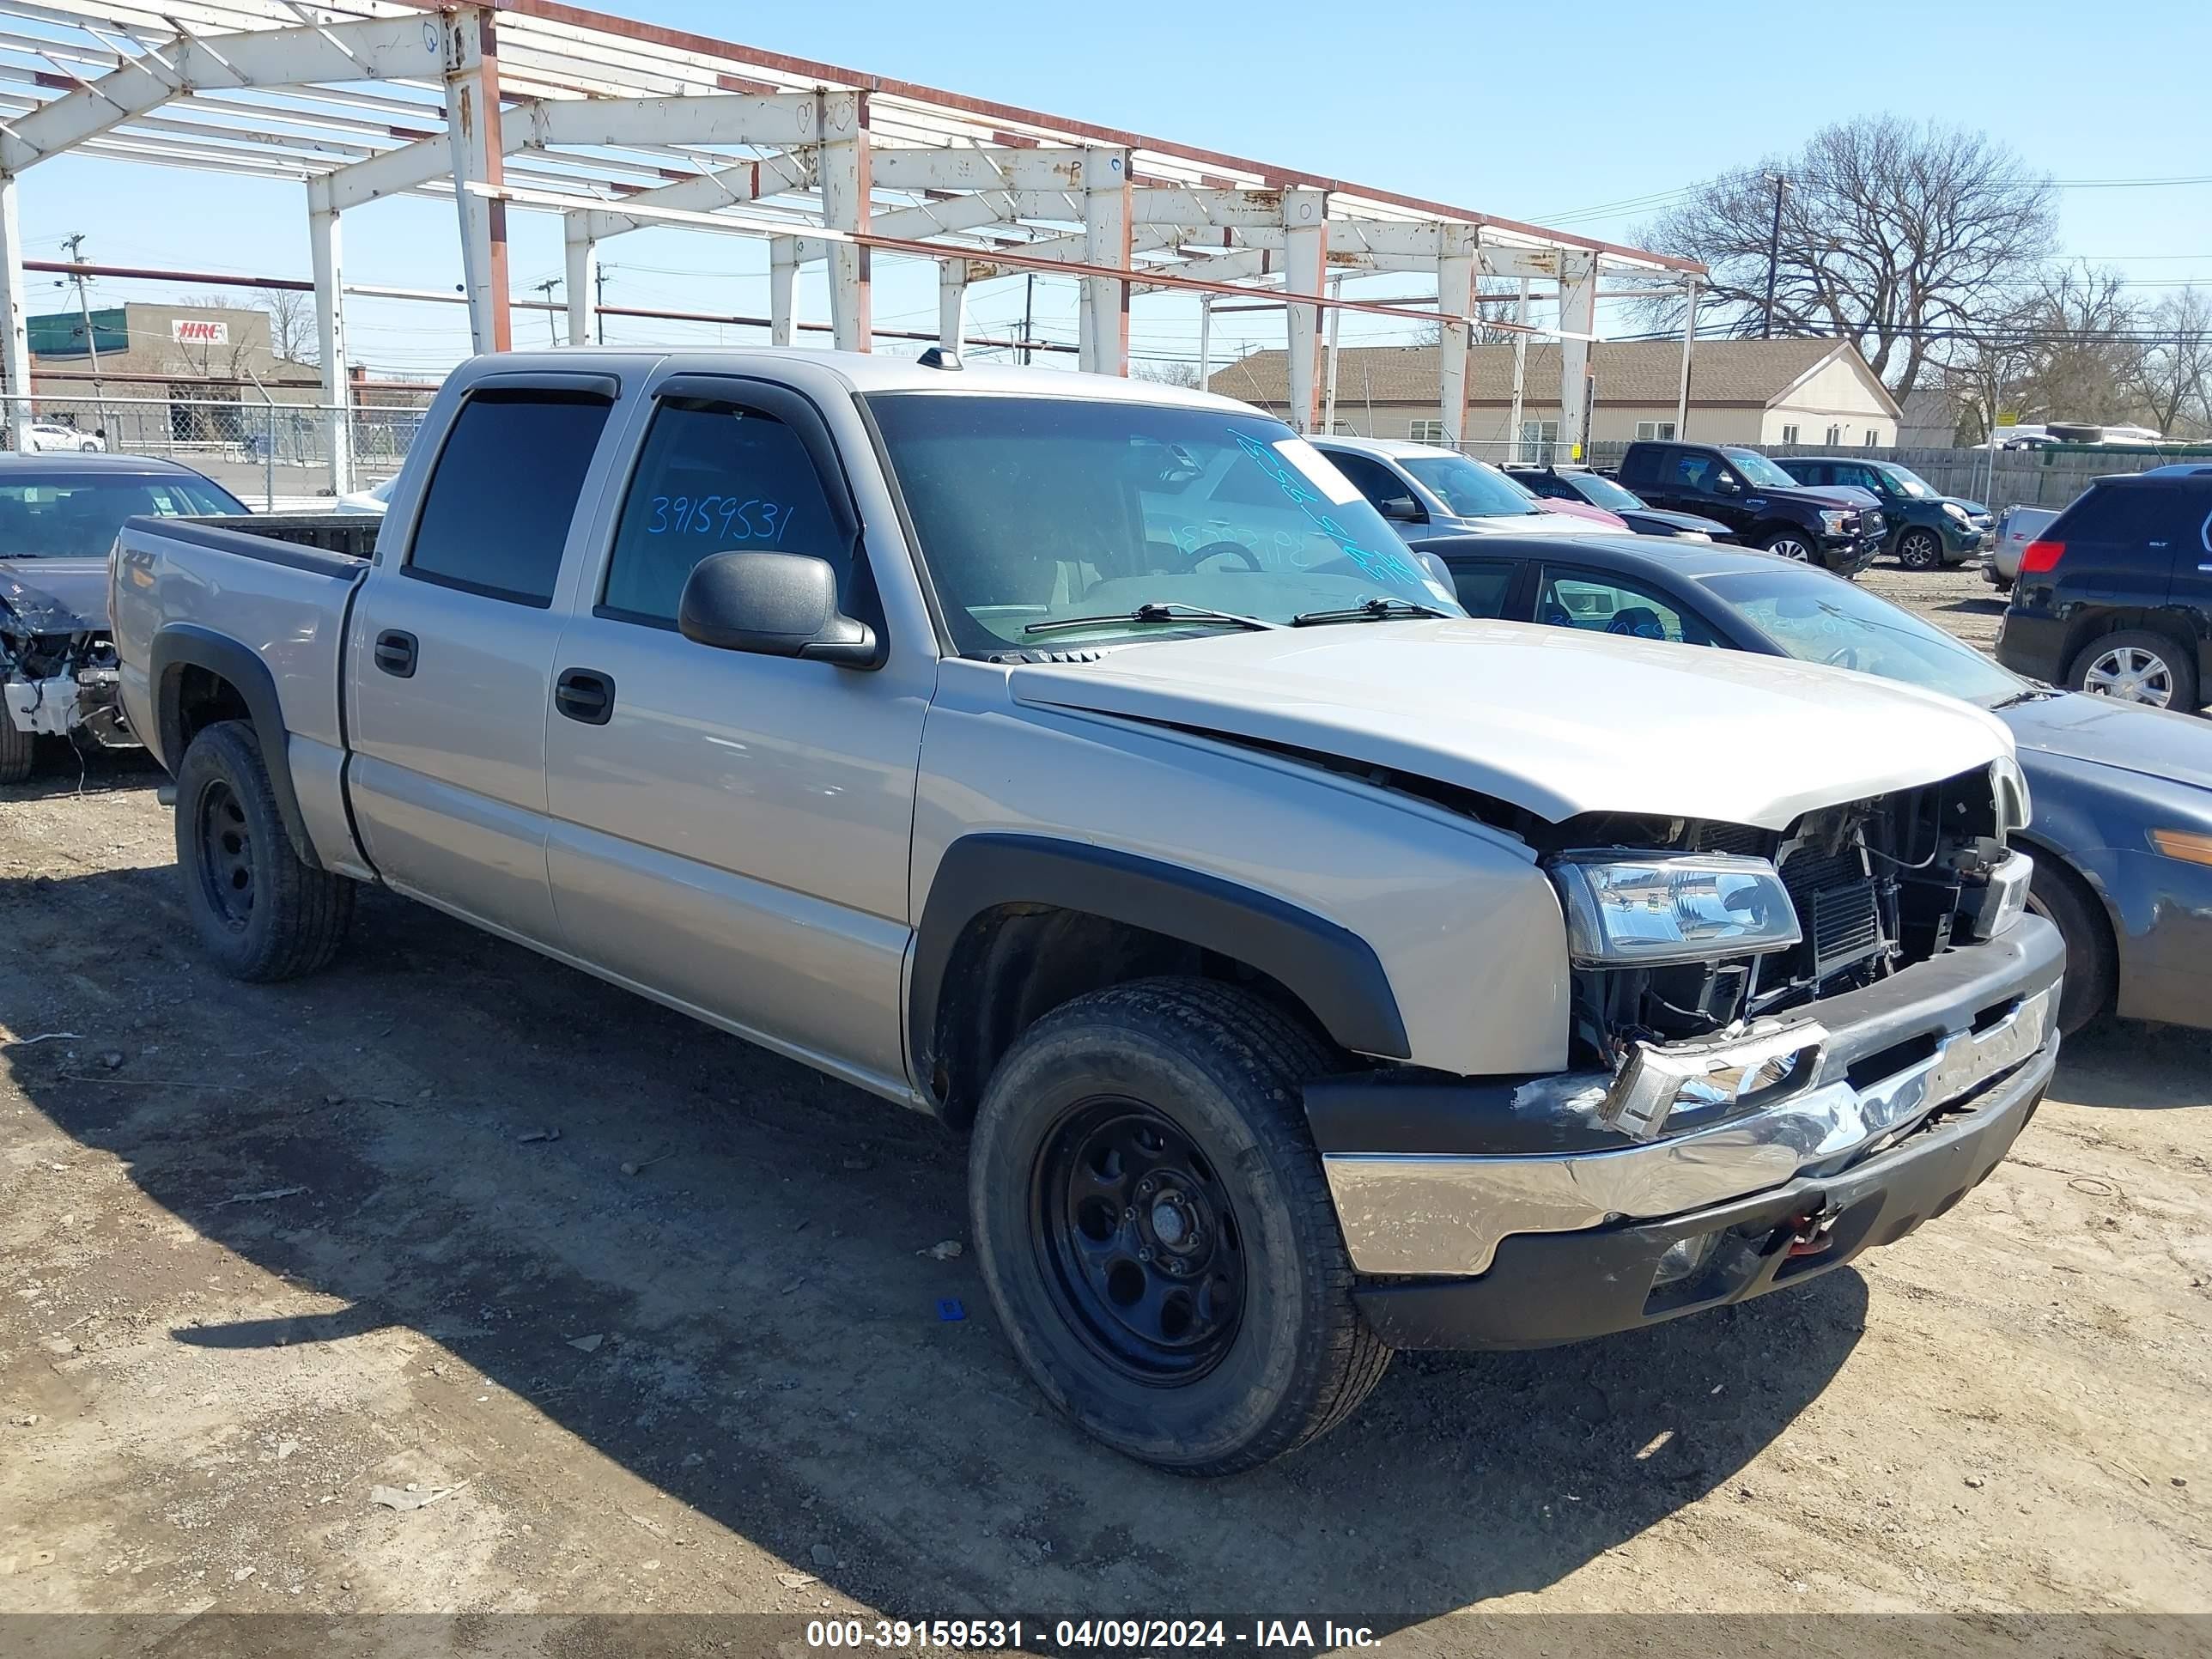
{"type": "Point", "coordinates": [1453, 1181]}
{"type": "Point", "coordinates": [82, 700]}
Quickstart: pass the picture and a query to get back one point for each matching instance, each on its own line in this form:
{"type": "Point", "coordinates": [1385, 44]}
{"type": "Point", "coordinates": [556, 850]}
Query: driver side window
{"type": "Point", "coordinates": [1601, 604]}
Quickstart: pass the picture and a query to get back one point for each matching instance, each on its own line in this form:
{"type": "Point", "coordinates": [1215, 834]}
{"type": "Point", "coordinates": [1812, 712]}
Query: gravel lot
{"type": "Point", "coordinates": [268, 1250]}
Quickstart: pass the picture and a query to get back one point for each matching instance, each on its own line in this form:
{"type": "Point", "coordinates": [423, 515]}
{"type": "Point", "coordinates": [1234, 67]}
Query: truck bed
{"type": "Point", "coordinates": [350, 535]}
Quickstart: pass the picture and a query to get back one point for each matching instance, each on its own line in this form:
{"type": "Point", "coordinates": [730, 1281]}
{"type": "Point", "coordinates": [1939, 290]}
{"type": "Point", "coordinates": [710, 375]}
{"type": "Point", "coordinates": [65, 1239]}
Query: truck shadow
{"type": "Point", "coordinates": [772, 1349]}
{"type": "Point", "coordinates": [2134, 1067]}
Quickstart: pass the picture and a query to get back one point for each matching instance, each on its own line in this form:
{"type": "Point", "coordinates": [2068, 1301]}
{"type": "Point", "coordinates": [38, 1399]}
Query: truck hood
{"type": "Point", "coordinates": [2105, 732]}
{"type": "Point", "coordinates": [57, 595]}
{"type": "Point", "coordinates": [1556, 722]}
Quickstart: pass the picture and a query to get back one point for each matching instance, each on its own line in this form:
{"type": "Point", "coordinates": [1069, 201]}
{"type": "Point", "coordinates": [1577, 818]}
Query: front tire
{"type": "Point", "coordinates": [1920, 549]}
{"type": "Point", "coordinates": [262, 913]}
{"type": "Point", "coordinates": [1154, 1228]}
{"type": "Point", "coordinates": [18, 751]}
{"type": "Point", "coordinates": [2062, 899]}
{"type": "Point", "coordinates": [1788, 545]}
{"type": "Point", "coordinates": [2137, 666]}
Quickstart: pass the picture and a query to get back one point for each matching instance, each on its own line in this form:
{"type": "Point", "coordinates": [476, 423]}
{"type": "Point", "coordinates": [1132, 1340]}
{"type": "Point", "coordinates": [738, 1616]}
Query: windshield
{"type": "Point", "coordinates": [1757, 469]}
{"type": "Point", "coordinates": [1907, 483]}
{"type": "Point", "coordinates": [1601, 491]}
{"type": "Point", "coordinates": [1469, 489]}
{"type": "Point", "coordinates": [1817, 618]}
{"type": "Point", "coordinates": [75, 516]}
{"type": "Point", "coordinates": [1038, 510]}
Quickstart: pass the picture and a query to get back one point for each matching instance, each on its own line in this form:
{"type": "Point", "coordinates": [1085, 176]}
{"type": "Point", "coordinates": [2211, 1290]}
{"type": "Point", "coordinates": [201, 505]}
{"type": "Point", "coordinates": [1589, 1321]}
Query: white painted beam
{"type": "Point", "coordinates": [916, 169]}
{"type": "Point", "coordinates": [1455, 302]}
{"type": "Point", "coordinates": [581, 260]}
{"type": "Point", "coordinates": [1520, 378]}
{"type": "Point", "coordinates": [14, 337]}
{"type": "Point", "coordinates": [472, 134]}
{"type": "Point", "coordinates": [1689, 339]}
{"type": "Point", "coordinates": [1577, 318]}
{"type": "Point", "coordinates": [323, 254]}
{"type": "Point", "coordinates": [1305, 258]}
{"type": "Point", "coordinates": [782, 282]}
{"type": "Point", "coordinates": [952, 304]}
{"type": "Point", "coordinates": [1163, 204]}
{"type": "Point", "coordinates": [954, 215]}
{"type": "Point", "coordinates": [779, 121]}
{"type": "Point", "coordinates": [749, 181]}
{"type": "Point", "coordinates": [1103, 324]}
{"type": "Point", "coordinates": [371, 49]}
{"type": "Point", "coordinates": [1234, 267]}
{"type": "Point", "coordinates": [846, 181]}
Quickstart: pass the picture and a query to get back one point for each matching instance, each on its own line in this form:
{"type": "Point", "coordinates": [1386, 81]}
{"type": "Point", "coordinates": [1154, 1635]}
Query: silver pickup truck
{"type": "Point", "coordinates": [1316, 970]}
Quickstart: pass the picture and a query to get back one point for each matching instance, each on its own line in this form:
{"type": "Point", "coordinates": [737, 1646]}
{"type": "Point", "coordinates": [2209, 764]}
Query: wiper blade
{"type": "Point", "coordinates": [1153, 611]}
{"type": "Point", "coordinates": [1375, 609]}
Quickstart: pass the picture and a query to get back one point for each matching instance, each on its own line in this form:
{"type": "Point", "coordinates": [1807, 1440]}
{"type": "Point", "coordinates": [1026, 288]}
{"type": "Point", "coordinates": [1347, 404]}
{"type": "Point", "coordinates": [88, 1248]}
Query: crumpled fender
{"type": "Point", "coordinates": [33, 611]}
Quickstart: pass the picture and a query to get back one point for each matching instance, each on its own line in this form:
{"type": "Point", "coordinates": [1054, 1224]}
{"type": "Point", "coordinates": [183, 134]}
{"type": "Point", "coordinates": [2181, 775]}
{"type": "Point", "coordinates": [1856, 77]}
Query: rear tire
{"type": "Point", "coordinates": [261, 912]}
{"type": "Point", "coordinates": [18, 751]}
{"type": "Point", "coordinates": [2137, 665]}
{"type": "Point", "coordinates": [2060, 898]}
{"type": "Point", "coordinates": [1156, 1234]}
{"type": "Point", "coordinates": [1920, 549]}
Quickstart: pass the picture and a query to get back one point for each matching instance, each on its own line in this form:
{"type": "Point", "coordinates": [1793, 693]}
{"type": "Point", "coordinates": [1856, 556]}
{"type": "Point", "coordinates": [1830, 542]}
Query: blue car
{"type": "Point", "coordinates": [2122, 836]}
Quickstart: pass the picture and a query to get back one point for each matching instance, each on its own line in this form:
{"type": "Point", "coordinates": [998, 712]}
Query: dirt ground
{"type": "Point", "coordinates": [653, 1318]}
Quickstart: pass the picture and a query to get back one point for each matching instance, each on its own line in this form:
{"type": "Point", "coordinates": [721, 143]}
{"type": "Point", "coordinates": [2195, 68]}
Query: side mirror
{"type": "Point", "coordinates": [775, 604]}
{"type": "Point", "coordinates": [1403, 509]}
{"type": "Point", "coordinates": [1726, 485]}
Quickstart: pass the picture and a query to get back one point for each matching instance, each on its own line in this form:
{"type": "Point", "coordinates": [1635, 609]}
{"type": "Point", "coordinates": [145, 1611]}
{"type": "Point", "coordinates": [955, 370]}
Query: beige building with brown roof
{"type": "Point", "coordinates": [1753, 391]}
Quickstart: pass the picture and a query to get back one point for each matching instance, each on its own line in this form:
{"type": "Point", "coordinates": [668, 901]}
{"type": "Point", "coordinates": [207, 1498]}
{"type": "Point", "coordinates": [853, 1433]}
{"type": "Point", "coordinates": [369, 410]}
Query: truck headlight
{"type": "Point", "coordinates": [1951, 510]}
{"type": "Point", "coordinates": [1625, 911]}
{"type": "Point", "coordinates": [1836, 524]}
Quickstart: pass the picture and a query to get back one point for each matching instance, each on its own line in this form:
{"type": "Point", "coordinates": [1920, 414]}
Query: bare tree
{"type": "Point", "coordinates": [292, 331]}
{"type": "Point", "coordinates": [1167, 373]}
{"type": "Point", "coordinates": [2173, 376]}
{"type": "Point", "coordinates": [1895, 235]}
{"type": "Point", "coordinates": [2084, 363]}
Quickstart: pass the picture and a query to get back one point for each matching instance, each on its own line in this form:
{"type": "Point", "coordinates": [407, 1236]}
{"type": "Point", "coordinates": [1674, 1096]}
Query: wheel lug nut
{"type": "Point", "coordinates": [1144, 1256]}
{"type": "Point", "coordinates": [1129, 1214]}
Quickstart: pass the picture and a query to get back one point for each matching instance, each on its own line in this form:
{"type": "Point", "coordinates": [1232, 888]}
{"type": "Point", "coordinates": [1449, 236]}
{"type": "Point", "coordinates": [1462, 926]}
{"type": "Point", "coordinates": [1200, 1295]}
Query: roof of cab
{"type": "Point", "coordinates": [94, 461]}
{"type": "Point", "coordinates": [1693, 560]}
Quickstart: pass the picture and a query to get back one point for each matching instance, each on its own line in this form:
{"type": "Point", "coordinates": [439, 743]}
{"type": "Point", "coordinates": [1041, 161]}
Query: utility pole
{"type": "Point", "coordinates": [1204, 340]}
{"type": "Point", "coordinates": [1029, 312]}
{"type": "Point", "coordinates": [1773, 252]}
{"type": "Point", "coordinates": [546, 289]}
{"type": "Point", "coordinates": [76, 247]}
{"type": "Point", "coordinates": [599, 303]}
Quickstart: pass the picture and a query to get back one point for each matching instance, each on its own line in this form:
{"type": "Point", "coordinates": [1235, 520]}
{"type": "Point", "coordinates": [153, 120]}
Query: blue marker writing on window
{"type": "Point", "coordinates": [728, 518]}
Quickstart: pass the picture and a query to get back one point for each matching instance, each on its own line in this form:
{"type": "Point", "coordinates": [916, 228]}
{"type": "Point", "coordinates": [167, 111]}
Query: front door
{"type": "Point", "coordinates": [730, 832]}
{"type": "Point", "coordinates": [451, 649]}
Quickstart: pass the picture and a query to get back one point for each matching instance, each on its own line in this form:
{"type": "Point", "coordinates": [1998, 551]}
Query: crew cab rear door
{"type": "Point", "coordinates": [730, 832]}
{"type": "Point", "coordinates": [450, 652]}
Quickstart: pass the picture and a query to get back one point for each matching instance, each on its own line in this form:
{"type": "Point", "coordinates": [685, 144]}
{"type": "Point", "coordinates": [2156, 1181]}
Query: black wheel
{"type": "Point", "coordinates": [2065, 901]}
{"type": "Point", "coordinates": [1790, 544]}
{"type": "Point", "coordinates": [262, 913]}
{"type": "Point", "coordinates": [18, 751]}
{"type": "Point", "coordinates": [2137, 666]}
{"type": "Point", "coordinates": [1920, 549]}
{"type": "Point", "coordinates": [1154, 1230]}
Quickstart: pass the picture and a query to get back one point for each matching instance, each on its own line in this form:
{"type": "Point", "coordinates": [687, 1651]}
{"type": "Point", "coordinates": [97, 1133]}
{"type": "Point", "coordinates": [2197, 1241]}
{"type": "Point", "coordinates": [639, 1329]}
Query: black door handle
{"type": "Point", "coordinates": [584, 695]}
{"type": "Point", "coordinates": [395, 654]}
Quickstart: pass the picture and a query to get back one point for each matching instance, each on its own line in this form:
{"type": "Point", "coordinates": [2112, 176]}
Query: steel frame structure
{"type": "Point", "coordinates": [617, 125]}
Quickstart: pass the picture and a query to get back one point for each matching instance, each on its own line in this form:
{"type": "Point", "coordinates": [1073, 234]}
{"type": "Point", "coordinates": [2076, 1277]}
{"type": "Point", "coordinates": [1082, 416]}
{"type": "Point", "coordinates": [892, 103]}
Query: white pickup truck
{"type": "Point", "coordinates": [1318, 971]}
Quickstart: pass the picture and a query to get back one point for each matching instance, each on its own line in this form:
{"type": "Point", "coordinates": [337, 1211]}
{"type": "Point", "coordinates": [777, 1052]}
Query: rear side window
{"type": "Point", "coordinates": [1368, 477]}
{"type": "Point", "coordinates": [497, 512]}
{"type": "Point", "coordinates": [1482, 587]}
{"type": "Point", "coordinates": [1641, 463]}
{"type": "Point", "coordinates": [715, 478]}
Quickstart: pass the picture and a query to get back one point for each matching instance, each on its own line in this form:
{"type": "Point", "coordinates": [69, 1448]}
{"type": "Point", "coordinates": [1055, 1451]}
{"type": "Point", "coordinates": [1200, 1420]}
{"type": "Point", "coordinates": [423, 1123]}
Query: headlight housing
{"type": "Point", "coordinates": [1624, 910]}
{"type": "Point", "coordinates": [1953, 510]}
{"type": "Point", "coordinates": [1835, 522]}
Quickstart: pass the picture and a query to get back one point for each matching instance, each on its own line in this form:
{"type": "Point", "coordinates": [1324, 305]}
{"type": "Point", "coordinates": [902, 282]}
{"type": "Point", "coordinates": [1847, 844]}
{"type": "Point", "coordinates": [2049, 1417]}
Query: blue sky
{"type": "Point", "coordinates": [1545, 114]}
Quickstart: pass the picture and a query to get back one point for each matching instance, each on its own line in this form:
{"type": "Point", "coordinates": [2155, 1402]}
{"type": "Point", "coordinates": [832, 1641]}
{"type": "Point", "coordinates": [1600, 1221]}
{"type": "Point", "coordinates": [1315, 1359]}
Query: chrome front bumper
{"type": "Point", "coordinates": [1935, 1044]}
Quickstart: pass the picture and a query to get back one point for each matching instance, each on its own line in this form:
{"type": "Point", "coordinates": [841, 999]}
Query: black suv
{"type": "Point", "coordinates": [2116, 596]}
{"type": "Point", "coordinates": [1927, 528]}
{"type": "Point", "coordinates": [1765, 506]}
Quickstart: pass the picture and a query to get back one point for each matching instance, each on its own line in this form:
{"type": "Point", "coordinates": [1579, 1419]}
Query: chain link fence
{"type": "Point", "coordinates": [274, 455]}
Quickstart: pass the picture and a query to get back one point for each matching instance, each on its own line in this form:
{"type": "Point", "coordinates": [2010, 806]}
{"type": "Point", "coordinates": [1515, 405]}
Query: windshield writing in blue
{"type": "Point", "coordinates": [730, 518]}
{"type": "Point", "coordinates": [1383, 566]}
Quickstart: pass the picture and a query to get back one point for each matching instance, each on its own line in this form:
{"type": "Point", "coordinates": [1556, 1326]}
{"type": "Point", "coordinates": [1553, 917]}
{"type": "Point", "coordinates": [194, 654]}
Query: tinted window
{"type": "Point", "coordinates": [2120, 512]}
{"type": "Point", "coordinates": [1603, 605]}
{"type": "Point", "coordinates": [505, 487]}
{"type": "Point", "coordinates": [1694, 472]}
{"type": "Point", "coordinates": [1033, 511]}
{"type": "Point", "coordinates": [1642, 463]}
{"type": "Point", "coordinates": [1809, 472]}
{"type": "Point", "coordinates": [75, 516]}
{"type": "Point", "coordinates": [714, 478]}
{"type": "Point", "coordinates": [1482, 587]}
{"type": "Point", "coordinates": [1470, 489]}
{"type": "Point", "coordinates": [1368, 477]}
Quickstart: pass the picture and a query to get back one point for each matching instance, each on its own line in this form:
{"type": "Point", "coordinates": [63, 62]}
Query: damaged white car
{"type": "Point", "coordinates": [58, 516]}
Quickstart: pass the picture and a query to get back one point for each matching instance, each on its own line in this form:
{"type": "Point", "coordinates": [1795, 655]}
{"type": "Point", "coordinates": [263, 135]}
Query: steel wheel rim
{"type": "Point", "coordinates": [2131, 674]}
{"type": "Point", "coordinates": [1789, 548]}
{"type": "Point", "coordinates": [226, 853]}
{"type": "Point", "coordinates": [1139, 1244]}
{"type": "Point", "coordinates": [1917, 550]}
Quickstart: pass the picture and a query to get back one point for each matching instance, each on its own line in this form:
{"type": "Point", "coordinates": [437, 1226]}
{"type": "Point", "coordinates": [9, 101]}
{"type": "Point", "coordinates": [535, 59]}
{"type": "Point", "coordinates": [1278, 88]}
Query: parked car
{"type": "Point", "coordinates": [1841, 530]}
{"type": "Point", "coordinates": [2016, 527]}
{"type": "Point", "coordinates": [2121, 826]}
{"type": "Point", "coordinates": [1573, 506]}
{"type": "Point", "coordinates": [58, 516]}
{"type": "Point", "coordinates": [1424, 490]}
{"type": "Point", "coordinates": [374, 500]}
{"type": "Point", "coordinates": [1580, 483]}
{"type": "Point", "coordinates": [1927, 529]}
{"type": "Point", "coordinates": [52, 437]}
{"type": "Point", "coordinates": [1086, 763]}
{"type": "Point", "coordinates": [2115, 596]}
